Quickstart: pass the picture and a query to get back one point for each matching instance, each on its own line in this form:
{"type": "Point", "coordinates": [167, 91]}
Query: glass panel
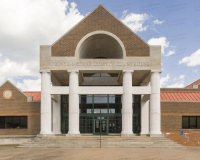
{"type": "Point", "coordinates": [16, 122]}
{"type": "Point", "coordinates": [136, 108]}
{"type": "Point", "coordinates": [185, 122]}
{"type": "Point", "coordinates": [100, 107]}
{"type": "Point", "coordinates": [89, 99]}
{"type": "Point", "coordinates": [85, 108]}
{"type": "Point", "coordinates": [136, 98]}
{"type": "Point", "coordinates": [115, 124]}
{"type": "Point", "coordinates": [193, 123]}
{"type": "Point", "coordinates": [85, 124]}
{"type": "Point", "coordinates": [100, 99]}
{"type": "Point", "coordinates": [115, 108]}
{"type": "Point", "coordinates": [198, 122]}
{"type": "Point", "coordinates": [23, 122]}
{"type": "Point", "coordinates": [97, 125]}
{"type": "Point", "coordinates": [65, 108]}
{"type": "Point", "coordinates": [2, 122]}
{"type": "Point", "coordinates": [65, 99]}
{"type": "Point", "coordinates": [103, 125]}
{"type": "Point", "coordinates": [8, 122]}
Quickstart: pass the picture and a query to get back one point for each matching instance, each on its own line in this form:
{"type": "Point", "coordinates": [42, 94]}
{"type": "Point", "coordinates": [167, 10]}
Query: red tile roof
{"type": "Point", "coordinates": [195, 83]}
{"type": "Point", "coordinates": [35, 94]}
{"type": "Point", "coordinates": [164, 95]}
{"type": "Point", "coordinates": [179, 96]}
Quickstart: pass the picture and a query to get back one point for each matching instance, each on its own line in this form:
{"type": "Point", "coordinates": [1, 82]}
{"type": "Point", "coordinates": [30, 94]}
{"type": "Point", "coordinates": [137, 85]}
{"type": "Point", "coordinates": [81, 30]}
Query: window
{"type": "Point", "coordinates": [190, 122]}
{"type": "Point", "coordinates": [13, 122]}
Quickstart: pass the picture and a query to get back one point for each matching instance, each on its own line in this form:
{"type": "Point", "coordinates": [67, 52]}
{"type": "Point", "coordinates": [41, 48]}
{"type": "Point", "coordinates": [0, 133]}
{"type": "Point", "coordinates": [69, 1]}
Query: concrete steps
{"type": "Point", "coordinates": [94, 142]}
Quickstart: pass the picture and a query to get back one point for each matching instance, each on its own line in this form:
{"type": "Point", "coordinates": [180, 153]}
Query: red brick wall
{"type": "Point", "coordinates": [171, 121]}
{"type": "Point", "coordinates": [100, 19]}
{"type": "Point", "coordinates": [17, 105]}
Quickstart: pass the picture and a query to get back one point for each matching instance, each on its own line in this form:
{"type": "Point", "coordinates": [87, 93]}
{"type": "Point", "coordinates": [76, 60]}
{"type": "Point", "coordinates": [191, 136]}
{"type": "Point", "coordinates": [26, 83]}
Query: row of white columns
{"type": "Point", "coordinates": [155, 118]}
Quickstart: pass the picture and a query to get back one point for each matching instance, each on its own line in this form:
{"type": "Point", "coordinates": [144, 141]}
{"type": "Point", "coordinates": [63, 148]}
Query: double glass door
{"type": "Point", "coordinates": [100, 126]}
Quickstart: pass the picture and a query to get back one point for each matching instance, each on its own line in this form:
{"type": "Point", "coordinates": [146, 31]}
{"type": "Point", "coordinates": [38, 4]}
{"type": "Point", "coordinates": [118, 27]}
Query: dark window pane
{"type": "Point", "coordinates": [2, 122]}
{"type": "Point", "coordinates": [8, 122]}
{"type": "Point", "coordinates": [100, 107]}
{"type": "Point", "coordinates": [198, 122]}
{"type": "Point", "coordinates": [136, 98]}
{"type": "Point", "coordinates": [23, 122]}
{"type": "Point", "coordinates": [65, 108]}
{"type": "Point", "coordinates": [65, 99]}
{"type": "Point", "coordinates": [16, 122]}
{"type": "Point", "coordinates": [193, 121]}
{"type": "Point", "coordinates": [185, 122]}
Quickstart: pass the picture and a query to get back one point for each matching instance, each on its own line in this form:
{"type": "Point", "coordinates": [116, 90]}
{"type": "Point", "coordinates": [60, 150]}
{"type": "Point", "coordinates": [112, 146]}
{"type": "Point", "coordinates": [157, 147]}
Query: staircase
{"type": "Point", "coordinates": [63, 141]}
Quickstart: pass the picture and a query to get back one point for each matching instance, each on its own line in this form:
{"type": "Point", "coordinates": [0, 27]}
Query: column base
{"type": "Point", "coordinates": [126, 132]}
{"type": "Point", "coordinates": [46, 133]}
{"type": "Point", "coordinates": [58, 133]}
{"type": "Point", "coordinates": [73, 132]}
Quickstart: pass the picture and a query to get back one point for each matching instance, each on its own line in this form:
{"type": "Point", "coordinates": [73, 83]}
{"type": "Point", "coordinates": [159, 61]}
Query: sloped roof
{"type": "Point", "coordinates": [164, 96]}
{"type": "Point", "coordinates": [195, 83]}
{"type": "Point", "coordinates": [35, 94]}
{"type": "Point", "coordinates": [179, 96]}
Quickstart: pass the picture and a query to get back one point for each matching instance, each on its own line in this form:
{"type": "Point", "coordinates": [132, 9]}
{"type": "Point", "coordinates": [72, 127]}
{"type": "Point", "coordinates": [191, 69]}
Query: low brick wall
{"type": "Point", "coordinates": [190, 137]}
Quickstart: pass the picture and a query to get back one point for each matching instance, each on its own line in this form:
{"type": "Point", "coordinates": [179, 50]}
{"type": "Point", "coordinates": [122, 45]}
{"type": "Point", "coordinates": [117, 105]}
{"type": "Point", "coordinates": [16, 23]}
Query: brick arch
{"type": "Point", "coordinates": [100, 19]}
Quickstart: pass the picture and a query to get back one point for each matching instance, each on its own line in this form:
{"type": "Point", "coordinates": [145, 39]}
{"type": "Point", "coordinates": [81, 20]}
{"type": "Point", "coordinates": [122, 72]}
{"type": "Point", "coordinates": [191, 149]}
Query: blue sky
{"type": "Point", "coordinates": [26, 24]}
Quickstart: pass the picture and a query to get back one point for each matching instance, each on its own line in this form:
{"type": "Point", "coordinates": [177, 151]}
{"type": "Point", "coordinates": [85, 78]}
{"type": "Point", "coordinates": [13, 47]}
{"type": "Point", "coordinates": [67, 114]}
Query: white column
{"type": "Point", "coordinates": [127, 117]}
{"type": "Point", "coordinates": [155, 113]}
{"type": "Point", "coordinates": [144, 116]}
{"type": "Point", "coordinates": [73, 102]}
{"type": "Point", "coordinates": [45, 102]}
{"type": "Point", "coordinates": [57, 115]}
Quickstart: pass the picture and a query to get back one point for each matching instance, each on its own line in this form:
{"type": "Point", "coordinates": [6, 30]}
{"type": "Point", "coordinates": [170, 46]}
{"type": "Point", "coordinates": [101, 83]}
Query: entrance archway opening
{"type": "Point", "coordinates": [100, 46]}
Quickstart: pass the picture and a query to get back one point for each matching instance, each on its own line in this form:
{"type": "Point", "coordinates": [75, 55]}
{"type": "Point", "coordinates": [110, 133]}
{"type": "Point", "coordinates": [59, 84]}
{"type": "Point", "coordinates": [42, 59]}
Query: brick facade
{"type": "Point", "coordinates": [17, 105]}
{"type": "Point", "coordinates": [171, 121]}
{"type": "Point", "coordinates": [100, 19]}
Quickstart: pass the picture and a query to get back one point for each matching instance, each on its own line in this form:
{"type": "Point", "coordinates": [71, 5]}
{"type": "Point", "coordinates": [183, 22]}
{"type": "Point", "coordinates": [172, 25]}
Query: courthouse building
{"type": "Point", "coordinates": [101, 77]}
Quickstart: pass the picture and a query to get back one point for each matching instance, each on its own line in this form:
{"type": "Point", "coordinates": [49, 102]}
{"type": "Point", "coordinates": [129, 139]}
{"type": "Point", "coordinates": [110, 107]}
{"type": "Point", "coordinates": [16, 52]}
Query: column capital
{"type": "Point", "coordinates": [73, 71]}
{"type": "Point", "coordinates": [156, 70]}
{"type": "Point", "coordinates": [127, 71]}
{"type": "Point", "coordinates": [45, 71]}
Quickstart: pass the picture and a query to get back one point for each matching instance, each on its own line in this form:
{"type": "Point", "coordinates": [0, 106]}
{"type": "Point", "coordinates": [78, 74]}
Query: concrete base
{"type": "Point", "coordinates": [46, 135]}
{"type": "Point", "coordinates": [145, 135]}
{"type": "Point", "coordinates": [156, 135]}
{"type": "Point", "coordinates": [129, 135]}
{"type": "Point", "coordinates": [73, 135]}
{"type": "Point", "coordinates": [13, 140]}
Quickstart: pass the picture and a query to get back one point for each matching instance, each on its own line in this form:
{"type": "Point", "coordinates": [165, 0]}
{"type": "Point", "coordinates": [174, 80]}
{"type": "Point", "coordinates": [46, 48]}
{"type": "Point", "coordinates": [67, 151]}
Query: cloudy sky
{"type": "Point", "coordinates": [26, 24]}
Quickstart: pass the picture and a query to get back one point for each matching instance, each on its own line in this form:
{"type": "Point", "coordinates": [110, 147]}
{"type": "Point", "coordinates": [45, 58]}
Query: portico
{"type": "Point", "coordinates": [100, 74]}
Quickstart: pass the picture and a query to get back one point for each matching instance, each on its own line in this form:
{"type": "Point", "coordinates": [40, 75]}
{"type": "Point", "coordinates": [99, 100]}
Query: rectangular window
{"type": "Point", "coordinates": [190, 122]}
{"type": "Point", "coordinates": [7, 122]}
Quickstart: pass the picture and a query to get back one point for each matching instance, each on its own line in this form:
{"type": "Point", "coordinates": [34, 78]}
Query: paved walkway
{"type": "Point", "coordinates": [9, 152]}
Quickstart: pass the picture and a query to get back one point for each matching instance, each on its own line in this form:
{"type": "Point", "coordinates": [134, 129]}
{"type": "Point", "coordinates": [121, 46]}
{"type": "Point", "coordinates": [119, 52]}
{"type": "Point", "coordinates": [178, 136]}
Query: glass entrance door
{"type": "Point", "coordinates": [100, 126]}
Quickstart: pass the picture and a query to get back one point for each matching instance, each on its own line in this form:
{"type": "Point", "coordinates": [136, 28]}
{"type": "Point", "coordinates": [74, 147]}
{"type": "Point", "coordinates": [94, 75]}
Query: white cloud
{"type": "Point", "coordinates": [164, 45]}
{"type": "Point", "coordinates": [135, 21]}
{"type": "Point", "coordinates": [163, 80]}
{"type": "Point", "coordinates": [192, 60]}
{"type": "Point", "coordinates": [170, 53]}
{"type": "Point", "coordinates": [157, 22]}
{"type": "Point", "coordinates": [30, 85]}
{"type": "Point", "coordinates": [179, 82]}
{"type": "Point", "coordinates": [177, 85]}
{"type": "Point", "coordinates": [26, 24]}
{"type": "Point", "coordinates": [160, 41]}
{"type": "Point", "coordinates": [182, 76]}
